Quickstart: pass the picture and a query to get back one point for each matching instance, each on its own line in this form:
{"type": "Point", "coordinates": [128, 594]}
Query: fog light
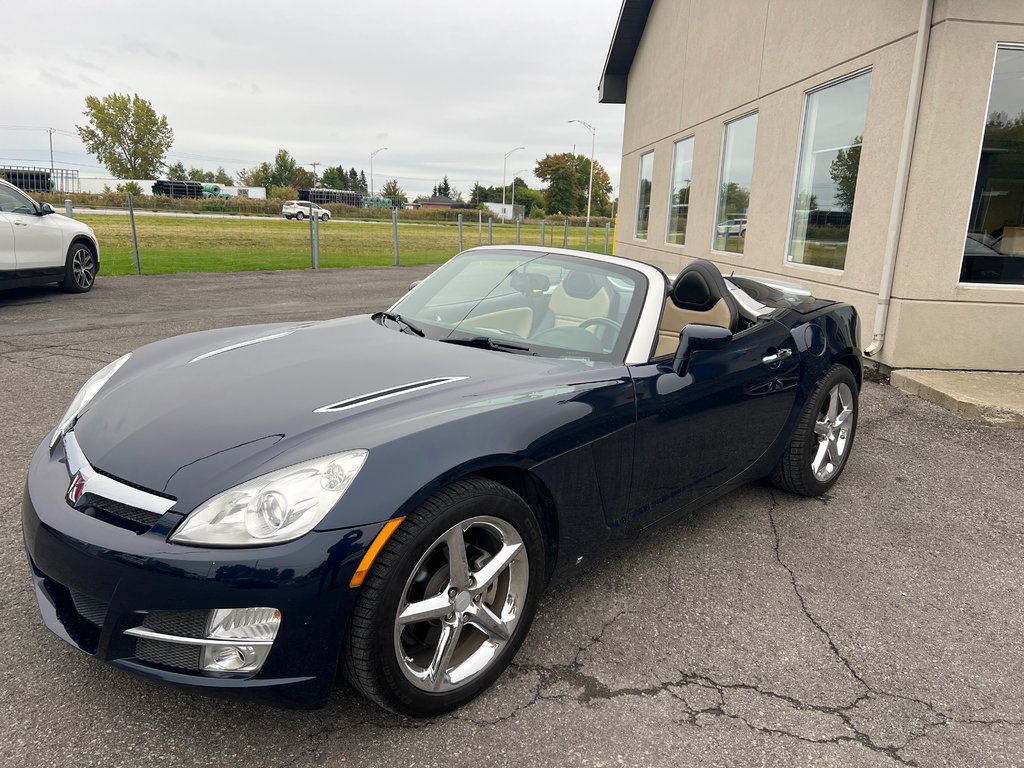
{"type": "Point", "coordinates": [226, 657]}
{"type": "Point", "coordinates": [248, 625]}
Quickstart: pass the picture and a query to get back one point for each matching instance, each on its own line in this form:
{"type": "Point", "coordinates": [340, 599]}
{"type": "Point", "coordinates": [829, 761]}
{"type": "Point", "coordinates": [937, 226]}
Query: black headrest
{"type": "Point", "coordinates": [691, 291]}
{"type": "Point", "coordinates": [581, 285]}
{"type": "Point", "coordinates": [699, 287]}
{"type": "Point", "coordinates": [529, 282]}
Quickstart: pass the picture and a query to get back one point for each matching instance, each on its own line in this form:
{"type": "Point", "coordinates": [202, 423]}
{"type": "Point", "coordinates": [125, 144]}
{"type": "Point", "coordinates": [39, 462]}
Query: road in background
{"type": "Point", "coordinates": [877, 626]}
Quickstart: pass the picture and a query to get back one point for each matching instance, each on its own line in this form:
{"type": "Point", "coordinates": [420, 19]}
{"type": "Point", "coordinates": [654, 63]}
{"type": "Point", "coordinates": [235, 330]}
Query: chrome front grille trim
{"type": "Point", "coordinates": [107, 487]}
{"type": "Point", "coordinates": [384, 394]}
{"type": "Point", "coordinates": [149, 634]}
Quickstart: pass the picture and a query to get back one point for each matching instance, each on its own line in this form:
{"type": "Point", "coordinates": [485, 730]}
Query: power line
{"type": "Point", "coordinates": [61, 131]}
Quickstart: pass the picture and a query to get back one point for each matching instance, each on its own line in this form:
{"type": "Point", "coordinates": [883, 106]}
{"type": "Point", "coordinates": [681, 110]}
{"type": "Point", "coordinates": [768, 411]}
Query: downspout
{"type": "Point", "coordinates": [892, 241]}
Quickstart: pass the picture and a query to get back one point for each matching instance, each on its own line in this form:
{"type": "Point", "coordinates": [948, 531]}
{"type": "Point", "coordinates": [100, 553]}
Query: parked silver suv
{"type": "Point", "coordinates": [39, 246]}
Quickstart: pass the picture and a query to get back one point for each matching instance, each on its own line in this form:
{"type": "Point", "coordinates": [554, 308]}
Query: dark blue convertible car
{"type": "Point", "coordinates": [385, 496]}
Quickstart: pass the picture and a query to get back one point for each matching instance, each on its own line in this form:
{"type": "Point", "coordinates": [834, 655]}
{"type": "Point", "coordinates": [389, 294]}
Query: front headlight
{"type": "Point", "coordinates": [85, 396]}
{"type": "Point", "coordinates": [273, 508]}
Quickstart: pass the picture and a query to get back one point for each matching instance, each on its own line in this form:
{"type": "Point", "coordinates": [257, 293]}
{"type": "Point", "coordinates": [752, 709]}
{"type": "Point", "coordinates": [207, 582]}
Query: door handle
{"type": "Point", "coordinates": [781, 354]}
{"type": "Point", "coordinates": [20, 224]}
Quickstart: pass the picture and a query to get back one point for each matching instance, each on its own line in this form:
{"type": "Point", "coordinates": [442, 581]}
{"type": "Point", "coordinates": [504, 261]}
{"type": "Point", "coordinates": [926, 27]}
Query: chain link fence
{"type": "Point", "coordinates": [182, 241]}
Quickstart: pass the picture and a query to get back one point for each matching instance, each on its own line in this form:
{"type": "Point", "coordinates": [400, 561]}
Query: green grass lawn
{"type": "Point", "coordinates": [172, 244]}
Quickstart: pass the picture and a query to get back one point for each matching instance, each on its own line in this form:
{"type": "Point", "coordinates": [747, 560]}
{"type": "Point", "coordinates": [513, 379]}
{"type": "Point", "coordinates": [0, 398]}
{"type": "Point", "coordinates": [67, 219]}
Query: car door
{"type": "Point", "coordinates": [38, 241]}
{"type": "Point", "coordinates": [697, 431]}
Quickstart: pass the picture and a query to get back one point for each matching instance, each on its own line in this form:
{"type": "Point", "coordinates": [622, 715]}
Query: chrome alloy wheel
{"type": "Point", "coordinates": [461, 604]}
{"type": "Point", "coordinates": [833, 431]}
{"type": "Point", "coordinates": [83, 267]}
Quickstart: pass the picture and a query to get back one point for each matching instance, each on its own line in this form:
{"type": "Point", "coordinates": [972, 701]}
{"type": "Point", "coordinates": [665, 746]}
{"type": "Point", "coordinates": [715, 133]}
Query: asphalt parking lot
{"type": "Point", "coordinates": [879, 626]}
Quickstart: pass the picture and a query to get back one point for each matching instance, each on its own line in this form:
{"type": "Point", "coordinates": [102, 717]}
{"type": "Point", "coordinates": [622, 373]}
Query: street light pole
{"type": "Point", "coordinates": [590, 186]}
{"type": "Point", "coordinates": [504, 167]}
{"type": "Point", "coordinates": [381, 149]}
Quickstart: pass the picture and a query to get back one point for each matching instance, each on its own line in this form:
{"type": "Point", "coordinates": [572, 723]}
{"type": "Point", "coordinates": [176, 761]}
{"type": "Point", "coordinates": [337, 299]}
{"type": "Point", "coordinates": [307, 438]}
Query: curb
{"type": "Point", "coordinates": [995, 399]}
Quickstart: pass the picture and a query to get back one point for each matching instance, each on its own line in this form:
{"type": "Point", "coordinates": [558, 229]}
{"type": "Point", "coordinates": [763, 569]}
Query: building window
{"type": "Point", "coordinates": [826, 176]}
{"type": "Point", "coordinates": [734, 184]}
{"type": "Point", "coordinates": [643, 195]}
{"type": "Point", "coordinates": [994, 249]}
{"type": "Point", "coordinates": [679, 193]}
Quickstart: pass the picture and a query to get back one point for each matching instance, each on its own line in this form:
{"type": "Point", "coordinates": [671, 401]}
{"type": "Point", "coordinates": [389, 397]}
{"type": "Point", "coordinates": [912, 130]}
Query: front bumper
{"type": "Point", "coordinates": [95, 579]}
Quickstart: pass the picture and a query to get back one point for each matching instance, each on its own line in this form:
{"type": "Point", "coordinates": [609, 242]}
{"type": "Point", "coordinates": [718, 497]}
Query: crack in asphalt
{"type": "Point", "coordinates": [587, 690]}
{"type": "Point", "coordinates": [799, 595]}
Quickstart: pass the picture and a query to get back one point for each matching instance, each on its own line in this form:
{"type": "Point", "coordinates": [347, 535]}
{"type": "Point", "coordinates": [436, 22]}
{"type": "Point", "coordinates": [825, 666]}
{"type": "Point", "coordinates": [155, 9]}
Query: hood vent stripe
{"type": "Point", "coordinates": [250, 342]}
{"type": "Point", "coordinates": [384, 394]}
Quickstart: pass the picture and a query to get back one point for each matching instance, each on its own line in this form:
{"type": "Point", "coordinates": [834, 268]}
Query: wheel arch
{"type": "Point", "coordinates": [538, 498]}
{"type": "Point", "coordinates": [853, 362]}
{"type": "Point", "coordinates": [517, 478]}
{"type": "Point", "coordinates": [83, 238]}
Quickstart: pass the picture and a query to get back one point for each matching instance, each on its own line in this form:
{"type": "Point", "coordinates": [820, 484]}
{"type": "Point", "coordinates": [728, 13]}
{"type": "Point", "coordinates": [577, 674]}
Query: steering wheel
{"type": "Point", "coordinates": [603, 321]}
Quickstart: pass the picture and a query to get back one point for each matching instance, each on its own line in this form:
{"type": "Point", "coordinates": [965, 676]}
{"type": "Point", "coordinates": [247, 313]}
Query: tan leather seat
{"type": "Point", "coordinates": [579, 297]}
{"type": "Point", "coordinates": [674, 319]}
{"type": "Point", "coordinates": [697, 295]}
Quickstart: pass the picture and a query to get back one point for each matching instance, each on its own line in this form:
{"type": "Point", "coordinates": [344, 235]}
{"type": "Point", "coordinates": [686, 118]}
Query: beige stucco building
{"type": "Point", "coordinates": [821, 141]}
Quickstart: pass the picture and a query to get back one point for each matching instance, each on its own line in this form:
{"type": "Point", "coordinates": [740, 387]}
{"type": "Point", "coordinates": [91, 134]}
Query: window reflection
{"type": "Point", "coordinates": [994, 249]}
{"type": "Point", "coordinates": [833, 132]}
{"type": "Point", "coordinates": [734, 185]}
{"type": "Point", "coordinates": [643, 195]}
{"type": "Point", "coordinates": [679, 193]}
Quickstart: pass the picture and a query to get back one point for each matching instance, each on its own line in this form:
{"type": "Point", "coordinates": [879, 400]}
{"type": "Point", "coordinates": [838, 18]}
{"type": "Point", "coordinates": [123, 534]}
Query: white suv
{"type": "Point", "coordinates": [300, 209]}
{"type": "Point", "coordinates": [38, 246]}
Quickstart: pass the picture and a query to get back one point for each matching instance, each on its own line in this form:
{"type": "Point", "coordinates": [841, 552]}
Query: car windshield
{"type": "Point", "coordinates": [529, 302]}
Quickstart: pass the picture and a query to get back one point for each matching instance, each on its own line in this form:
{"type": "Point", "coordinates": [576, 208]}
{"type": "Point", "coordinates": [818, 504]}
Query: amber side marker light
{"type": "Point", "coordinates": [371, 554]}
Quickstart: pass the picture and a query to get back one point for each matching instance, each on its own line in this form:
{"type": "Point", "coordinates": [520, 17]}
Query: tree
{"type": "Point", "coordinates": [125, 133]}
{"type": "Point", "coordinates": [335, 178]}
{"type": "Point", "coordinates": [132, 187]}
{"type": "Point", "coordinates": [256, 177]}
{"type": "Point", "coordinates": [284, 172]}
{"type": "Point", "coordinates": [737, 200]}
{"type": "Point", "coordinates": [392, 190]}
{"type": "Point", "coordinates": [176, 172]}
{"type": "Point", "coordinates": [443, 188]}
{"type": "Point", "coordinates": [844, 173]}
{"type": "Point", "coordinates": [222, 177]}
{"type": "Point", "coordinates": [356, 180]}
{"type": "Point", "coordinates": [568, 176]}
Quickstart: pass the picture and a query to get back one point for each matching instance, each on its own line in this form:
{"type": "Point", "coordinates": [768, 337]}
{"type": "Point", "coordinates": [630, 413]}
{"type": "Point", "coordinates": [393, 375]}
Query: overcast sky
{"type": "Point", "coordinates": [448, 87]}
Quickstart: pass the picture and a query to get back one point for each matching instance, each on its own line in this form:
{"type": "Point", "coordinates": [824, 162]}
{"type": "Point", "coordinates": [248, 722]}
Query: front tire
{"type": "Point", "coordinates": [325, 217]}
{"type": "Point", "coordinates": [823, 437]}
{"type": "Point", "coordinates": [80, 269]}
{"type": "Point", "coordinates": [448, 600]}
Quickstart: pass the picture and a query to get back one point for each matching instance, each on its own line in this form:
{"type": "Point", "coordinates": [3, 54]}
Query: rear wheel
{"type": "Point", "coordinates": [823, 438]}
{"type": "Point", "coordinates": [300, 215]}
{"type": "Point", "coordinates": [448, 601]}
{"type": "Point", "coordinates": [79, 269]}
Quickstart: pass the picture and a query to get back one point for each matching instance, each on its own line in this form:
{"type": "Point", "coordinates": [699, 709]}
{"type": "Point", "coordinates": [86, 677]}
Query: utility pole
{"type": "Point", "coordinates": [51, 131]}
{"type": "Point", "coordinates": [314, 171]}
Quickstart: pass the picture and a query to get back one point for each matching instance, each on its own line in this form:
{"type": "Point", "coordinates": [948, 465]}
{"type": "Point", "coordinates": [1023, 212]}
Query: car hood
{"type": "Point", "coordinates": [193, 415]}
{"type": "Point", "coordinates": [71, 227]}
